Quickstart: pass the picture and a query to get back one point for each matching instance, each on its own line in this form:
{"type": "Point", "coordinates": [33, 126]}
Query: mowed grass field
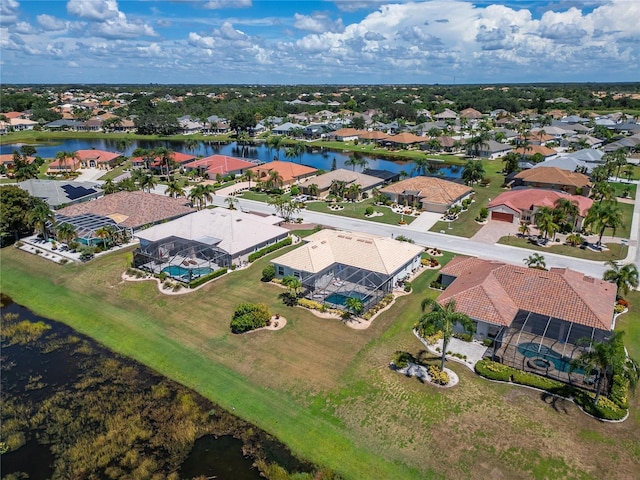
{"type": "Point", "coordinates": [326, 390]}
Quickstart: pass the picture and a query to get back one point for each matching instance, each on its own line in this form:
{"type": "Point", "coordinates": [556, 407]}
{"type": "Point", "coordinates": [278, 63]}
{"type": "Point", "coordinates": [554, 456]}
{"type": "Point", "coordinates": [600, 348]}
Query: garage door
{"type": "Point", "coordinates": [502, 217]}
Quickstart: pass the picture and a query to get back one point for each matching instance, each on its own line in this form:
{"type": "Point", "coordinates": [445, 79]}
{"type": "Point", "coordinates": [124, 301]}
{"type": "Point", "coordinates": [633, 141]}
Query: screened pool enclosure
{"type": "Point", "coordinates": [182, 259]}
{"type": "Point", "coordinates": [546, 346]}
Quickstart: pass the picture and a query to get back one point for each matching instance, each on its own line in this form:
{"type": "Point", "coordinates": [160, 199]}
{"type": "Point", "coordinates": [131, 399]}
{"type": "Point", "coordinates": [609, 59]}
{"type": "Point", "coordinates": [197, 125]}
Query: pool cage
{"type": "Point", "coordinates": [87, 224]}
{"type": "Point", "coordinates": [545, 345]}
{"type": "Point", "coordinates": [333, 285]}
{"type": "Point", "coordinates": [182, 259]}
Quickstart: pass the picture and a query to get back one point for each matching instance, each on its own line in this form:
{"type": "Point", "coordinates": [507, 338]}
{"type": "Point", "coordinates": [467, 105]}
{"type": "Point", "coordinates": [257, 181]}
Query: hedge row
{"type": "Point", "coordinates": [605, 408]}
{"type": "Point", "coordinates": [271, 248]}
{"type": "Point", "coordinates": [205, 278]}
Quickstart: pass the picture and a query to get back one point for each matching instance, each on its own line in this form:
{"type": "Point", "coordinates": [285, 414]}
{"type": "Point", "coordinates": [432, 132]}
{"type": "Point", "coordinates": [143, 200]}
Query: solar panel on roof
{"type": "Point", "coordinates": [74, 192]}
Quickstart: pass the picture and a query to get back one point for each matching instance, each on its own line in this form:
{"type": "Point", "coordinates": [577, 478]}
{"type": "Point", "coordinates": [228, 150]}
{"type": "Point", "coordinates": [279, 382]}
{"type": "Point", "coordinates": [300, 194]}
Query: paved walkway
{"type": "Point", "coordinates": [90, 175]}
{"type": "Point", "coordinates": [471, 352]}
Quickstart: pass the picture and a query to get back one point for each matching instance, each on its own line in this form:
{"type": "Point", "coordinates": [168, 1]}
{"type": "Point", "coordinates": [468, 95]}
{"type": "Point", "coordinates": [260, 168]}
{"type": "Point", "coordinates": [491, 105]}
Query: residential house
{"type": "Point", "coordinates": [286, 128]}
{"type": "Point", "coordinates": [554, 178]}
{"type": "Point", "coordinates": [519, 205]}
{"type": "Point", "coordinates": [493, 150]}
{"type": "Point", "coordinates": [532, 150]}
{"type": "Point", "coordinates": [431, 193]}
{"type": "Point", "coordinates": [98, 159]}
{"type": "Point", "coordinates": [536, 318]}
{"type": "Point", "coordinates": [290, 172]}
{"type": "Point", "coordinates": [222, 165]}
{"type": "Point", "coordinates": [204, 241]}
{"type": "Point", "coordinates": [325, 181]}
{"type": "Point", "coordinates": [59, 194]}
{"type": "Point", "coordinates": [334, 266]}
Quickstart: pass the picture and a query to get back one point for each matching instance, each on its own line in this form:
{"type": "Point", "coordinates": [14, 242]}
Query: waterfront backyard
{"type": "Point", "coordinates": [325, 389]}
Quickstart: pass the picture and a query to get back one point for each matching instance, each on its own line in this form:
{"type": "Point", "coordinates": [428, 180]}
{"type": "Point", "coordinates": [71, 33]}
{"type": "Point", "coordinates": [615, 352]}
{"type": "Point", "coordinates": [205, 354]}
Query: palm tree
{"type": "Point", "coordinates": [148, 182]}
{"type": "Point", "coordinates": [574, 239]}
{"type": "Point", "coordinates": [249, 175]}
{"type": "Point", "coordinates": [443, 318]}
{"type": "Point", "coordinates": [195, 195]}
{"type": "Point", "coordinates": [40, 217]}
{"type": "Point", "coordinates": [109, 187]}
{"type": "Point", "coordinates": [510, 161]}
{"type": "Point", "coordinates": [174, 188]}
{"type": "Point", "coordinates": [624, 276]}
{"type": "Point", "coordinates": [608, 359]}
{"type": "Point", "coordinates": [602, 216]}
{"type": "Point", "coordinates": [338, 188]}
{"type": "Point", "coordinates": [524, 229]}
{"type": "Point", "coordinates": [602, 191]}
{"type": "Point", "coordinates": [191, 144]}
{"type": "Point", "coordinates": [231, 201]}
{"type": "Point", "coordinates": [566, 212]}
{"type": "Point", "coordinates": [65, 232]}
{"type": "Point", "coordinates": [275, 142]}
{"type": "Point", "coordinates": [535, 260]}
{"type": "Point", "coordinates": [102, 233]}
{"type": "Point", "coordinates": [628, 171]}
{"type": "Point", "coordinates": [290, 153]}
{"type": "Point", "coordinates": [353, 191]}
{"type": "Point", "coordinates": [166, 158]}
{"type": "Point", "coordinates": [313, 190]}
{"type": "Point", "coordinates": [208, 192]}
{"type": "Point", "coordinates": [354, 305]}
{"type": "Point", "coordinates": [274, 180]}
{"type": "Point", "coordinates": [546, 222]}
{"type": "Point", "coordinates": [473, 172]}
{"type": "Point", "coordinates": [300, 150]}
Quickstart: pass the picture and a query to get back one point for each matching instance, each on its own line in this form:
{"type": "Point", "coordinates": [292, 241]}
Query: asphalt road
{"type": "Point", "coordinates": [450, 243]}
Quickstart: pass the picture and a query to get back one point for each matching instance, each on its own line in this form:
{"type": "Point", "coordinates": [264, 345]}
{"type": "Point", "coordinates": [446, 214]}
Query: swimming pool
{"type": "Point", "coordinates": [535, 350]}
{"type": "Point", "coordinates": [177, 271]}
{"type": "Point", "coordinates": [341, 298]}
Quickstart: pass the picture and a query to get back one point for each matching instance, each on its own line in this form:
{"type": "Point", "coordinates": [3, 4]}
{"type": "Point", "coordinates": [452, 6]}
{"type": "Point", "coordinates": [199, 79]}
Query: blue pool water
{"type": "Point", "coordinates": [341, 298]}
{"type": "Point", "coordinates": [178, 271]}
{"type": "Point", "coordinates": [531, 350]}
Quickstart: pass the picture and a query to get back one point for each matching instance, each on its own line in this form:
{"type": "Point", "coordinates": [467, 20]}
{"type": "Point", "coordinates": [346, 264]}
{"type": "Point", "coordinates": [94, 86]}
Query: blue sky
{"type": "Point", "coordinates": [318, 42]}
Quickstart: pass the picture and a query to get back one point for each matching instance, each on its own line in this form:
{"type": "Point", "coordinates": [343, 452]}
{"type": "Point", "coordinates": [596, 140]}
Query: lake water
{"type": "Point", "coordinates": [316, 157]}
{"type": "Point", "coordinates": [41, 370]}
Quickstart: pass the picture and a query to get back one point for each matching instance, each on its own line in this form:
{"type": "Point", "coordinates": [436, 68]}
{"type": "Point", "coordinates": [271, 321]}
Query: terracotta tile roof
{"type": "Point", "coordinates": [177, 157]}
{"type": "Point", "coordinates": [133, 209]}
{"type": "Point", "coordinates": [288, 170]}
{"type": "Point", "coordinates": [100, 156]}
{"type": "Point", "coordinates": [220, 164]}
{"type": "Point", "coordinates": [71, 164]}
{"type": "Point", "coordinates": [374, 135]}
{"type": "Point", "coordinates": [324, 181]}
{"type": "Point", "coordinates": [520, 199]}
{"type": "Point", "coordinates": [7, 159]}
{"type": "Point", "coordinates": [494, 292]}
{"type": "Point", "coordinates": [430, 189]}
{"type": "Point", "coordinates": [405, 138]}
{"type": "Point", "coordinates": [470, 113]}
{"type": "Point", "coordinates": [347, 132]}
{"type": "Point", "coordinates": [533, 149]}
{"type": "Point", "coordinates": [553, 176]}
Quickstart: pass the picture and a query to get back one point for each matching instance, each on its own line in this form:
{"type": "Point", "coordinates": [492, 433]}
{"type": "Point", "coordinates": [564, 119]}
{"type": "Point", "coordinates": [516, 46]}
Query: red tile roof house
{"type": "Point", "coordinates": [7, 161]}
{"type": "Point", "coordinates": [433, 194]}
{"type": "Point", "coordinates": [64, 165]}
{"type": "Point", "coordinates": [530, 313]}
{"type": "Point", "coordinates": [289, 171]}
{"type": "Point", "coordinates": [219, 165]}
{"type": "Point", "coordinates": [520, 204]}
{"type": "Point", "coordinates": [157, 163]}
{"type": "Point", "coordinates": [98, 159]}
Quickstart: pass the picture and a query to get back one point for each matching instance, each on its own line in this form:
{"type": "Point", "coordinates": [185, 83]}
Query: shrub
{"type": "Point", "coordinates": [369, 211]}
{"type": "Point", "coordinates": [435, 284]}
{"type": "Point", "coordinates": [268, 273]}
{"type": "Point", "coordinates": [407, 286]}
{"type": "Point", "coordinates": [205, 278]}
{"type": "Point", "coordinates": [63, 261]}
{"type": "Point", "coordinates": [87, 253]}
{"type": "Point", "coordinates": [271, 248]}
{"type": "Point", "coordinates": [487, 342]}
{"type": "Point", "coordinates": [623, 302]}
{"type": "Point", "coordinates": [249, 316]}
{"type": "Point", "coordinates": [402, 359]}
{"type": "Point", "coordinates": [619, 391]}
{"type": "Point", "coordinates": [162, 276]}
{"type": "Point", "coordinates": [619, 308]}
{"type": "Point", "coordinates": [484, 213]}
{"type": "Point", "coordinates": [312, 304]}
{"type": "Point", "coordinates": [493, 370]}
{"type": "Point", "coordinates": [465, 337]}
{"type": "Point", "coordinates": [438, 376]}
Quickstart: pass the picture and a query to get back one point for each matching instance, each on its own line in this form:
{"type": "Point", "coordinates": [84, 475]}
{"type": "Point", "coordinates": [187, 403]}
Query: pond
{"type": "Point", "coordinates": [82, 410]}
{"type": "Point", "coordinates": [316, 157]}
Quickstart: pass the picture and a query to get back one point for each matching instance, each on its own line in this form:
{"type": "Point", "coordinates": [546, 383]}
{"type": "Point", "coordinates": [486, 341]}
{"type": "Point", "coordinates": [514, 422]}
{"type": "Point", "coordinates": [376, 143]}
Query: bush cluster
{"type": "Point", "coordinates": [401, 359]}
{"type": "Point", "coordinates": [606, 408]}
{"type": "Point", "coordinates": [465, 337]}
{"type": "Point", "coordinates": [271, 248]}
{"type": "Point", "coordinates": [205, 278]}
{"type": "Point", "coordinates": [249, 316]}
{"type": "Point", "coordinates": [378, 306]}
{"type": "Point", "coordinates": [438, 376]}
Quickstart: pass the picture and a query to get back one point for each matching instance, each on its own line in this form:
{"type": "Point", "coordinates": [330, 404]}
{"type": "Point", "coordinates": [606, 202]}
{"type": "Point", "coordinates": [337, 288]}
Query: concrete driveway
{"type": "Point", "coordinates": [494, 231]}
{"type": "Point", "coordinates": [90, 175]}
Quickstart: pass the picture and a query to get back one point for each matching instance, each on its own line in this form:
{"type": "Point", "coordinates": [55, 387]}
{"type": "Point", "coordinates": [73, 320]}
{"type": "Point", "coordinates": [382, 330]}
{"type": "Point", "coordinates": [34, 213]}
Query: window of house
{"type": "Point", "coordinates": [281, 271]}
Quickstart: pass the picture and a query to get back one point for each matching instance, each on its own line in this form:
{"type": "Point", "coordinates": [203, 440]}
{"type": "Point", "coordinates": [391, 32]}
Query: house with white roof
{"type": "Point", "coordinates": [334, 266]}
{"type": "Point", "coordinates": [200, 243]}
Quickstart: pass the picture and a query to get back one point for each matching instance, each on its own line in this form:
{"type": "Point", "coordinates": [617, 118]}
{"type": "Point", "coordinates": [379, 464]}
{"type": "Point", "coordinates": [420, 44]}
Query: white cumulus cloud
{"type": "Point", "coordinates": [50, 23]}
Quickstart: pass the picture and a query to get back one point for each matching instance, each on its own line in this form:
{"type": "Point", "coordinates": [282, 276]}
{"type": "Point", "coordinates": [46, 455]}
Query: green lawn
{"type": "Point", "coordinates": [620, 188]}
{"type": "Point", "coordinates": [358, 209]}
{"type": "Point", "coordinates": [616, 251]}
{"type": "Point", "coordinates": [324, 389]}
{"type": "Point", "coordinates": [465, 225]}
